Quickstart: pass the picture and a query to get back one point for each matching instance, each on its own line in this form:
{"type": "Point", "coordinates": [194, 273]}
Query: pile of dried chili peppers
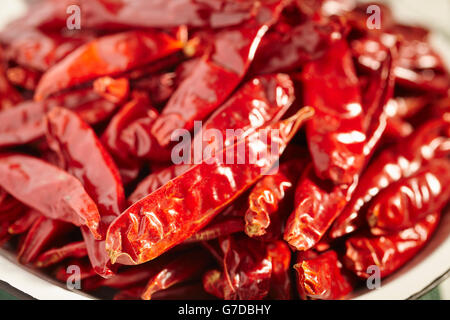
{"type": "Point", "coordinates": [358, 177]}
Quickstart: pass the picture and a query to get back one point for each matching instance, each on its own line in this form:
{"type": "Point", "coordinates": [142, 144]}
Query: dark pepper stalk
{"type": "Point", "coordinates": [406, 202]}
{"type": "Point", "coordinates": [187, 203]}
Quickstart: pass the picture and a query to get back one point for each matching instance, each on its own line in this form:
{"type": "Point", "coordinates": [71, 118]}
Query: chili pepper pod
{"type": "Point", "coordinates": [221, 228]}
{"type": "Point", "coordinates": [390, 252]}
{"type": "Point", "coordinates": [114, 90]}
{"type": "Point", "coordinates": [247, 270]}
{"type": "Point", "coordinates": [24, 223]}
{"type": "Point", "coordinates": [269, 201]}
{"type": "Point", "coordinates": [46, 188]}
{"type": "Point", "coordinates": [336, 135]}
{"type": "Point", "coordinates": [55, 255]}
{"type": "Point", "coordinates": [108, 55]}
{"type": "Point", "coordinates": [22, 77]}
{"type": "Point", "coordinates": [215, 75]}
{"type": "Point", "coordinates": [401, 160]}
{"type": "Point", "coordinates": [9, 96]}
{"type": "Point", "coordinates": [187, 203]}
{"type": "Point", "coordinates": [70, 137]}
{"type": "Point", "coordinates": [280, 282]}
{"type": "Point", "coordinates": [320, 276]}
{"type": "Point", "coordinates": [406, 202]}
{"type": "Point", "coordinates": [188, 266]}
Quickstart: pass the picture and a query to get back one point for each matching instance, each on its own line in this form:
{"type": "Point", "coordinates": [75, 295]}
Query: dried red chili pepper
{"type": "Point", "coordinates": [247, 270]}
{"type": "Point", "coordinates": [402, 160]}
{"type": "Point", "coordinates": [336, 134]}
{"type": "Point", "coordinates": [180, 208]}
{"type": "Point", "coordinates": [9, 96]}
{"type": "Point", "coordinates": [53, 192]}
{"type": "Point", "coordinates": [22, 77]}
{"type": "Point", "coordinates": [216, 75]}
{"type": "Point", "coordinates": [114, 90]}
{"type": "Point", "coordinates": [64, 273]}
{"type": "Point", "coordinates": [185, 267]}
{"type": "Point", "coordinates": [270, 199]}
{"type": "Point", "coordinates": [25, 222]}
{"type": "Point", "coordinates": [109, 55]}
{"type": "Point", "coordinates": [221, 228]}
{"type": "Point", "coordinates": [280, 282]}
{"type": "Point", "coordinates": [406, 202]}
{"type": "Point", "coordinates": [70, 137]}
{"type": "Point", "coordinates": [41, 234]}
{"type": "Point", "coordinates": [319, 276]}
{"type": "Point", "coordinates": [55, 255]}
{"type": "Point", "coordinates": [390, 252]}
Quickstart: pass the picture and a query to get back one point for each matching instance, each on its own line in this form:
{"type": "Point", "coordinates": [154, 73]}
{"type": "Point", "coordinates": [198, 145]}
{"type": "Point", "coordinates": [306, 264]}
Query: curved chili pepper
{"type": "Point", "coordinates": [319, 276]}
{"type": "Point", "coordinates": [152, 225]}
{"type": "Point", "coordinates": [53, 192]}
{"type": "Point", "coordinates": [157, 179]}
{"type": "Point", "coordinates": [336, 134]}
{"type": "Point", "coordinates": [269, 201]}
{"type": "Point", "coordinates": [280, 282]}
{"type": "Point", "coordinates": [391, 252]}
{"type": "Point", "coordinates": [185, 267]}
{"type": "Point", "coordinates": [402, 160]}
{"type": "Point", "coordinates": [85, 270]}
{"type": "Point", "coordinates": [406, 202]}
{"type": "Point", "coordinates": [41, 234]}
{"type": "Point", "coordinates": [317, 204]}
{"type": "Point", "coordinates": [55, 255]}
{"type": "Point", "coordinates": [24, 223]}
{"type": "Point", "coordinates": [22, 77]}
{"type": "Point", "coordinates": [247, 270]}
{"type": "Point", "coordinates": [109, 55]}
{"type": "Point", "coordinates": [221, 228]}
{"type": "Point", "coordinates": [216, 75]}
{"type": "Point", "coordinates": [259, 101]}
{"type": "Point", "coordinates": [70, 137]}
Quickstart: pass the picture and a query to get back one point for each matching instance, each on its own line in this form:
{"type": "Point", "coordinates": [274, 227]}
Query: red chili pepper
{"type": "Point", "coordinates": [42, 233]}
{"type": "Point", "coordinates": [9, 96]}
{"type": "Point", "coordinates": [223, 227]}
{"type": "Point", "coordinates": [70, 137]}
{"type": "Point", "coordinates": [270, 201]}
{"type": "Point", "coordinates": [185, 267]}
{"type": "Point", "coordinates": [402, 160]}
{"type": "Point", "coordinates": [53, 192]}
{"type": "Point", "coordinates": [24, 223]}
{"type": "Point", "coordinates": [320, 276]}
{"type": "Point", "coordinates": [406, 202]}
{"type": "Point", "coordinates": [280, 282]}
{"type": "Point", "coordinates": [109, 55]}
{"type": "Point", "coordinates": [185, 205]}
{"type": "Point", "coordinates": [336, 134]}
{"type": "Point", "coordinates": [63, 273]}
{"type": "Point", "coordinates": [247, 270]}
{"type": "Point", "coordinates": [55, 255]}
{"type": "Point", "coordinates": [216, 75]}
{"type": "Point", "coordinates": [24, 78]}
{"type": "Point", "coordinates": [114, 90]}
{"type": "Point", "coordinates": [390, 252]}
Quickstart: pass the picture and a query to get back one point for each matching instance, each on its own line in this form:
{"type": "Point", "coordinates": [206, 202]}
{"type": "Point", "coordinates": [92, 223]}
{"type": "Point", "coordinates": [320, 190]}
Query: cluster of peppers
{"type": "Point", "coordinates": [86, 119]}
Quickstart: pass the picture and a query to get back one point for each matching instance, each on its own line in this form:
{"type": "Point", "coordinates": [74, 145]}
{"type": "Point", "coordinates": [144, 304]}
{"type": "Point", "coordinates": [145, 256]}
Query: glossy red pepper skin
{"type": "Point", "coordinates": [406, 202]}
{"type": "Point", "coordinates": [188, 266]}
{"type": "Point", "coordinates": [69, 136]}
{"type": "Point", "coordinates": [402, 160]}
{"type": "Point", "coordinates": [280, 282]}
{"type": "Point", "coordinates": [25, 122]}
{"type": "Point", "coordinates": [269, 201]}
{"type": "Point", "coordinates": [221, 228]}
{"type": "Point", "coordinates": [336, 135]}
{"type": "Point", "coordinates": [317, 204]}
{"type": "Point", "coordinates": [216, 75]}
{"type": "Point", "coordinates": [41, 234]}
{"type": "Point", "coordinates": [247, 270]}
{"type": "Point", "coordinates": [109, 55]}
{"type": "Point", "coordinates": [177, 204]}
{"type": "Point", "coordinates": [55, 255]}
{"type": "Point", "coordinates": [391, 252]}
{"type": "Point", "coordinates": [37, 184]}
{"type": "Point", "coordinates": [258, 102]}
{"type": "Point", "coordinates": [319, 276]}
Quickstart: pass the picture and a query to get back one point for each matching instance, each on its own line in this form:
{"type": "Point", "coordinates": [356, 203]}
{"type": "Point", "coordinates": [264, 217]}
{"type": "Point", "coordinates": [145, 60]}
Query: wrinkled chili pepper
{"type": "Point", "coordinates": [406, 202]}
{"type": "Point", "coordinates": [55, 255]}
{"type": "Point", "coordinates": [319, 276]}
{"type": "Point", "coordinates": [280, 282]}
{"type": "Point", "coordinates": [69, 137]}
{"type": "Point", "coordinates": [390, 252]}
{"type": "Point", "coordinates": [24, 223]}
{"type": "Point", "coordinates": [177, 204]}
{"type": "Point", "coordinates": [247, 270]}
{"type": "Point", "coordinates": [53, 192]}
{"type": "Point", "coordinates": [402, 160]}
{"type": "Point", "coordinates": [216, 75]}
{"type": "Point", "coordinates": [185, 267]}
{"type": "Point", "coordinates": [214, 230]}
{"type": "Point", "coordinates": [106, 56]}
